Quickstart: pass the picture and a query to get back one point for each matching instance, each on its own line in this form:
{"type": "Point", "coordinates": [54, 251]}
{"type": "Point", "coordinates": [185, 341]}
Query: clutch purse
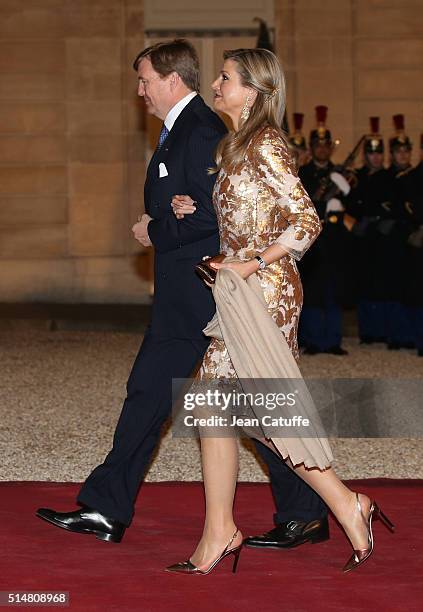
{"type": "Point", "coordinates": [205, 271]}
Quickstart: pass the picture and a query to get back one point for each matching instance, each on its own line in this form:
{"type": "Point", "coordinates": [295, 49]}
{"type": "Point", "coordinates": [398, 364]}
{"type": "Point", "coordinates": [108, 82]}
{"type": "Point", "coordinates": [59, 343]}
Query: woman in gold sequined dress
{"type": "Point", "coordinates": [267, 221]}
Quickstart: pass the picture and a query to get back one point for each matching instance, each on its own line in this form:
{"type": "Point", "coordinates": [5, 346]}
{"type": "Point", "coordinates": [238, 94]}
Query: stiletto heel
{"type": "Point", "coordinates": [381, 516]}
{"type": "Point", "coordinates": [360, 556]}
{"type": "Point", "coordinates": [236, 552]}
{"type": "Point", "coordinates": [186, 567]}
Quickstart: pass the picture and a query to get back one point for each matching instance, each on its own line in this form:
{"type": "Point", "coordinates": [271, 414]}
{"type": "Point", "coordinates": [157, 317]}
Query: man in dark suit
{"type": "Point", "coordinates": [169, 83]}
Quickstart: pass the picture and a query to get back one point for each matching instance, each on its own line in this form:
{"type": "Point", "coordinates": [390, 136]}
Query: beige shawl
{"type": "Point", "coordinates": [258, 350]}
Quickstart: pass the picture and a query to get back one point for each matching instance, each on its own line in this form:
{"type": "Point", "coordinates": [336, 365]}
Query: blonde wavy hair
{"type": "Point", "coordinates": [260, 70]}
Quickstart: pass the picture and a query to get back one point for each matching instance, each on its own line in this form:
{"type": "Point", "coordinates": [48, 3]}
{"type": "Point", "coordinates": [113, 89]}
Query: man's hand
{"type": "Point", "coordinates": [140, 230]}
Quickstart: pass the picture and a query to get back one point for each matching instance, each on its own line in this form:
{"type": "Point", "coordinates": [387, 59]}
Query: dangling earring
{"type": "Point", "coordinates": [245, 113]}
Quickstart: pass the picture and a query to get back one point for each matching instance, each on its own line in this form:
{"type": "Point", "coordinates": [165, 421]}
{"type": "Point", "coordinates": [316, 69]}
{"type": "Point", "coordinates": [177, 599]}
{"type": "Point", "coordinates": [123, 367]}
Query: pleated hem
{"type": "Point", "coordinates": [323, 463]}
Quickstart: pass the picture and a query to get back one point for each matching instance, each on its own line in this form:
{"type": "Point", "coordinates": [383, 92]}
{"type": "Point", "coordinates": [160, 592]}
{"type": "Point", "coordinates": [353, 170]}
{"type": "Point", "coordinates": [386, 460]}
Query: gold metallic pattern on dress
{"type": "Point", "coordinates": [259, 203]}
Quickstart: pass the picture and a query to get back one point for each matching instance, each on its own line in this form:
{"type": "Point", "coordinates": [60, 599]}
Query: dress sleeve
{"type": "Point", "coordinates": [276, 169]}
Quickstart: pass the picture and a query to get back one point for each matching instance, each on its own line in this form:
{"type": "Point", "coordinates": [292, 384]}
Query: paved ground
{"type": "Point", "coordinates": [61, 394]}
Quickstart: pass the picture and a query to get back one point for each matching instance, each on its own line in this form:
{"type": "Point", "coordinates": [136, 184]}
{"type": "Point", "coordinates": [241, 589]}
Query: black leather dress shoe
{"type": "Point", "coordinates": [291, 534]}
{"type": "Point", "coordinates": [372, 339]}
{"type": "Point", "coordinates": [85, 520]}
{"type": "Point", "coordinates": [367, 340]}
{"type": "Point", "coordinates": [396, 346]}
{"type": "Point", "coordinates": [336, 350]}
{"type": "Point", "coordinates": [312, 350]}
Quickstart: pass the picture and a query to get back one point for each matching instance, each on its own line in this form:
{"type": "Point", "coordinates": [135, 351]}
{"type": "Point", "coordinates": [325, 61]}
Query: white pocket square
{"type": "Point", "coordinates": [162, 170]}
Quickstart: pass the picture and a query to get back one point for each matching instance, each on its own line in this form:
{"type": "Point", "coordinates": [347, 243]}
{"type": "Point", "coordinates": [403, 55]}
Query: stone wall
{"type": "Point", "coordinates": [71, 151]}
{"type": "Point", "coordinates": [72, 130]}
{"type": "Point", "coordinates": [358, 57]}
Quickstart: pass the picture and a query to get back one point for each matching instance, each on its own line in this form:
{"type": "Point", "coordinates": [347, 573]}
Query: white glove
{"type": "Point", "coordinates": [334, 205]}
{"type": "Point", "coordinates": [341, 182]}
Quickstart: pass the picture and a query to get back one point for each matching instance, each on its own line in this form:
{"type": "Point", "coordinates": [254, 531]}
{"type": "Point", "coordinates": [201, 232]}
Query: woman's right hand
{"type": "Point", "coordinates": [183, 205]}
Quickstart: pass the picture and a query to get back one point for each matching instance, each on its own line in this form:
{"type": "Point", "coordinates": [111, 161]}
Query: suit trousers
{"type": "Point", "coordinates": [294, 499]}
{"type": "Point", "coordinates": [113, 486]}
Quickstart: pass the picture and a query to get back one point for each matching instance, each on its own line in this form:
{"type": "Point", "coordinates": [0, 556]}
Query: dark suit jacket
{"type": "Point", "coordinates": [183, 304]}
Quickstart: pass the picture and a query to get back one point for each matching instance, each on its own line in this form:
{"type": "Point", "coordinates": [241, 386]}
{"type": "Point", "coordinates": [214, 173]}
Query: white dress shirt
{"type": "Point", "coordinates": [174, 112]}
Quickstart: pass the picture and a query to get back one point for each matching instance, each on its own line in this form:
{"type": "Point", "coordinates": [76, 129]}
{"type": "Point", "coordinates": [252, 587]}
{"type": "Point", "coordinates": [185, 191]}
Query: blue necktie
{"type": "Point", "coordinates": [163, 135]}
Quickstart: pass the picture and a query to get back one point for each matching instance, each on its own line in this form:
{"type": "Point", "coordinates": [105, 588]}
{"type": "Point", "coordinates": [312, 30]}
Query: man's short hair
{"type": "Point", "coordinates": [175, 56]}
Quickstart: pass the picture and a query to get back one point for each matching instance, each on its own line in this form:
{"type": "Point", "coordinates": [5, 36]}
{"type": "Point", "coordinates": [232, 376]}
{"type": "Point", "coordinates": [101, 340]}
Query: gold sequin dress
{"type": "Point", "coordinates": [262, 201]}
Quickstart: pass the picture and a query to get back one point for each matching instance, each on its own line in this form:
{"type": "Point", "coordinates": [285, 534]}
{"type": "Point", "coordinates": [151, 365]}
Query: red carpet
{"type": "Point", "coordinates": [129, 576]}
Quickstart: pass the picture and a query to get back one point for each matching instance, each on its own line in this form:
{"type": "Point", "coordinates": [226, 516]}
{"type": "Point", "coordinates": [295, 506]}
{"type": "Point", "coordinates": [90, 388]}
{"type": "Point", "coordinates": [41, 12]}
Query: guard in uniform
{"type": "Point", "coordinates": [369, 203]}
{"type": "Point", "coordinates": [400, 334]}
{"type": "Point", "coordinates": [298, 142]}
{"type": "Point", "coordinates": [323, 268]}
{"type": "Point", "coordinates": [413, 204]}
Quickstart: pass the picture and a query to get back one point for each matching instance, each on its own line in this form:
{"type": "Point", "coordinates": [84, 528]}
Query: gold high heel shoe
{"type": "Point", "coordinates": [186, 567]}
{"type": "Point", "coordinates": [360, 556]}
